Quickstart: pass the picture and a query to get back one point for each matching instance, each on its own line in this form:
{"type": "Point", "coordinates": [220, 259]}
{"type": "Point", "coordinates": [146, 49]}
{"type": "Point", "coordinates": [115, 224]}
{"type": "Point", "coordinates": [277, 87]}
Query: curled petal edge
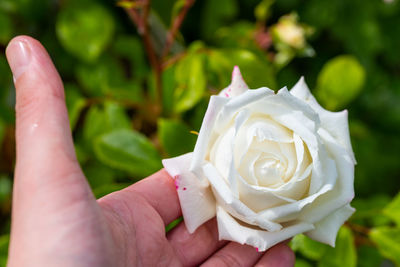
{"type": "Point", "coordinates": [230, 229]}
{"type": "Point", "coordinates": [334, 122]}
{"type": "Point", "coordinates": [195, 196]}
{"type": "Point", "coordinates": [326, 230]}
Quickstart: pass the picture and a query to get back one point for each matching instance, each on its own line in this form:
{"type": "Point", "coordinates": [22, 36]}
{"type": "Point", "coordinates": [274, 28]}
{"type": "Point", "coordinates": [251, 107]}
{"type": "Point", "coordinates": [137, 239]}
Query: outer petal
{"type": "Point", "coordinates": [230, 229]}
{"type": "Point", "coordinates": [236, 103]}
{"type": "Point", "coordinates": [237, 87]}
{"type": "Point", "coordinates": [206, 136]}
{"type": "Point", "coordinates": [195, 196]}
{"type": "Point", "coordinates": [343, 191]}
{"type": "Point", "coordinates": [334, 122]}
{"type": "Point", "coordinates": [326, 230]}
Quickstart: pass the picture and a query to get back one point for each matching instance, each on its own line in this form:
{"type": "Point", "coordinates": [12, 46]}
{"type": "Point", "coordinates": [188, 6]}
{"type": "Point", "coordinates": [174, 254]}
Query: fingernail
{"type": "Point", "coordinates": [19, 57]}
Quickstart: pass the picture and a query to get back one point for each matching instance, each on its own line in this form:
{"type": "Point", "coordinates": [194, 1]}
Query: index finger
{"type": "Point", "coordinates": [159, 191]}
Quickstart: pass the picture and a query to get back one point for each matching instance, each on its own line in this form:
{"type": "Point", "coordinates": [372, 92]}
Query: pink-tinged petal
{"type": "Point", "coordinates": [195, 196]}
{"type": "Point", "coordinates": [231, 229]}
{"type": "Point", "coordinates": [326, 230]}
{"type": "Point", "coordinates": [237, 87]}
{"type": "Point", "coordinates": [336, 123]}
{"type": "Point", "coordinates": [237, 103]}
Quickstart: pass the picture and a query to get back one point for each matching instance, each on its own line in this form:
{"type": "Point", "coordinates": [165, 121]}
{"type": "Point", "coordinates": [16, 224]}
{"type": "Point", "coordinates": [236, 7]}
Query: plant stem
{"type": "Point", "coordinates": [139, 14]}
{"type": "Point", "coordinates": [141, 21]}
{"type": "Point", "coordinates": [175, 25]}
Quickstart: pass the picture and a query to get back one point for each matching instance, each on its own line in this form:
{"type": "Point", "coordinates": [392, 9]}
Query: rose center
{"type": "Point", "coordinates": [269, 171]}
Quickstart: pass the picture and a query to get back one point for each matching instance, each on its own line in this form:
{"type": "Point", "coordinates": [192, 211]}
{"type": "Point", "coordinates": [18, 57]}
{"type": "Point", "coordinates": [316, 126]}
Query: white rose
{"type": "Point", "coordinates": [268, 166]}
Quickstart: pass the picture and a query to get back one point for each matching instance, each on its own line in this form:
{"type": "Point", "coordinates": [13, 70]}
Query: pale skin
{"type": "Point", "coordinates": [56, 221]}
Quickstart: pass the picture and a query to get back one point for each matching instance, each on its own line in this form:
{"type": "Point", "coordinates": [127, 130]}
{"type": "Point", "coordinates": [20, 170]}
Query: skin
{"type": "Point", "coordinates": [56, 221]}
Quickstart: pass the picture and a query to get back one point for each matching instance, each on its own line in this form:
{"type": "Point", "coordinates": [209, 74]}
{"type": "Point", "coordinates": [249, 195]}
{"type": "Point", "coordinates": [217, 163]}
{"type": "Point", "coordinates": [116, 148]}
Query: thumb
{"type": "Point", "coordinates": [46, 167]}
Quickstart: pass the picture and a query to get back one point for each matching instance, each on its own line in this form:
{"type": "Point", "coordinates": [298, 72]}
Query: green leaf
{"type": "Point", "coordinates": [85, 30]}
{"type": "Point", "coordinates": [100, 77]}
{"type": "Point", "coordinates": [344, 254]}
{"type": "Point", "coordinates": [6, 29]}
{"type": "Point", "coordinates": [340, 81]}
{"type": "Point", "coordinates": [302, 263]}
{"type": "Point", "coordinates": [129, 151]}
{"type": "Point", "coordinates": [116, 116]}
{"type": "Point", "coordinates": [168, 85]}
{"type": "Point", "coordinates": [5, 188]}
{"type": "Point", "coordinates": [368, 257]}
{"type": "Point", "coordinates": [369, 210]}
{"type": "Point", "coordinates": [263, 10]}
{"type": "Point", "coordinates": [104, 118]}
{"type": "Point", "coordinates": [106, 78]}
{"type": "Point", "coordinates": [98, 175]}
{"type": "Point", "coordinates": [4, 242]}
{"type": "Point", "coordinates": [256, 70]}
{"type": "Point", "coordinates": [393, 210]}
{"type": "Point", "coordinates": [175, 137]}
{"type": "Point", "coordinates": [95, 123]}
{"type": "Point", "coordinates": [191, 79]}
{"type": "Point", "coordinates": [131, 48]}
{"type": "Point", "coordinates": [217, 14]}
{"type": "Point", "coordinates": [309, 248]}
{"type": "Point", "coordinates": [388, 241]}
{"type": "Point", "coordinates": [75, 103]}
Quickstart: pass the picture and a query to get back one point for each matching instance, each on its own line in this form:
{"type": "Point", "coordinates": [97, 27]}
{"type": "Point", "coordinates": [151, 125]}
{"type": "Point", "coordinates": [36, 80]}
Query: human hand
{"type": "Point", "coordinates": [57, 221]}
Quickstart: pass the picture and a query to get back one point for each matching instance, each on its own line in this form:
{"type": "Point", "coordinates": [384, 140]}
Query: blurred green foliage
{"type": "Point", "coordinates": [347, 50]}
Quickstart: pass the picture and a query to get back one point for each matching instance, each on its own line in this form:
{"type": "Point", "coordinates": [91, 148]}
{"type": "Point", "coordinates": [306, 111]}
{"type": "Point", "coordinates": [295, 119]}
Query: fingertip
{"type": "Point", "coordinates": [19, 55]}
{"type": "Point", "coordinates": [286, 254]}
{"type": "Point", "coordinates": [280, 255]}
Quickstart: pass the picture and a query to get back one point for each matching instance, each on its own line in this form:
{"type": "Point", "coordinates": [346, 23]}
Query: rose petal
{"type": "Point", "coordinates": [235, 104]}
{"type": "Point", "coordinates": [206, 135]}
{"type": "Point", "coordinates": [260, 198]}
{"type": "Point", "coordinates": [334, 122]}
{"type": "Point", "coordinates": [290, 211]}
{"type": "Point", "coordinates": [230, 229]}
{"type": "Point", "coordinates": [195, 196]}
{"type": "Point", "coordinates": [326, 230]}
{"type": "Point", "coordinates": [237, 87]}
{"type": "Point", "coordinates": [343, 191]}
{"type": "Point", "coordinates": [231, 204]}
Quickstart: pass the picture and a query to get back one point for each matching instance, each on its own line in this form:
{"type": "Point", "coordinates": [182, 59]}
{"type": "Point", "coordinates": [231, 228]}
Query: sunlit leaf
{"type": "Point", "coordinates": [257, 71]}
{"type": "Point", "coordinates": [340, 81]}
{"type": "Point", "coordinates": [129, 151]}
{"type": "Point", "coordinates": [191, 79]}
{"type": "Point", "coordinates": [104, 118]}
{"type": "Point", "coordinates": [4, 242]}
{"type": "Point", "coordinates": [309, 248]}
{"type": "Point", "coordinates": [302, 263]}
{"type": "Point", "coordinates": [85, 30]}
{"type": "Point", "coordinates": [75, 103]}
{"type": "Point", "coordinates": [393, 210]}
{"type": "Point", "coordinates": [344, 253]}
{"type": "Point", "coordinates": [388, 242]}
